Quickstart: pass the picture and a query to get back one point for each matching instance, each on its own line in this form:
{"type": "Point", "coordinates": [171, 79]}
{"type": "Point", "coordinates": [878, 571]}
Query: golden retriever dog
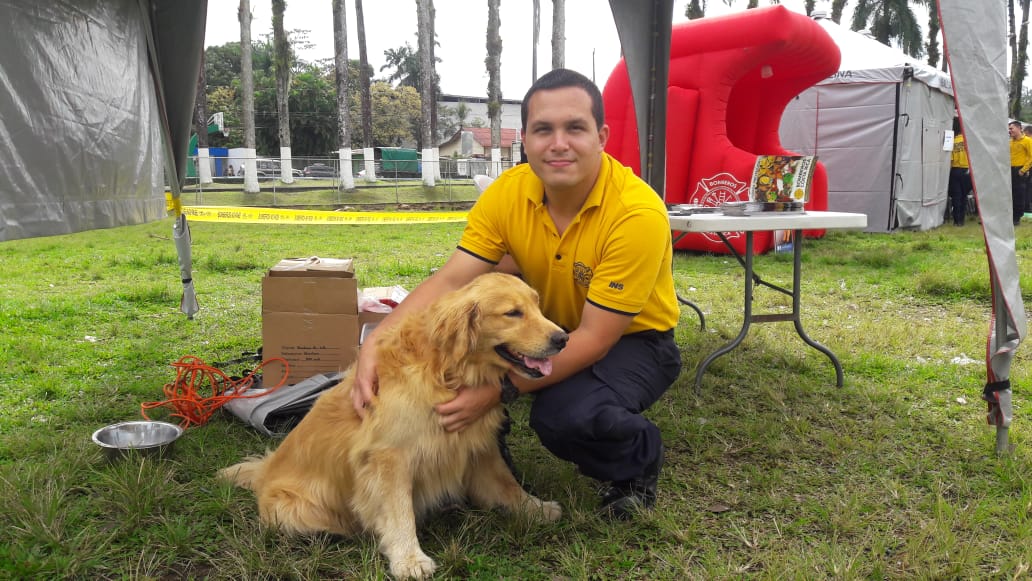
{"type": "Point", "coordinates": [338, 473]}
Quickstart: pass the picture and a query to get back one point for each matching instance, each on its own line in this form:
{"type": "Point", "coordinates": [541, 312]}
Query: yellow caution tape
{"type": "Point", "coordinates": [282, 216]}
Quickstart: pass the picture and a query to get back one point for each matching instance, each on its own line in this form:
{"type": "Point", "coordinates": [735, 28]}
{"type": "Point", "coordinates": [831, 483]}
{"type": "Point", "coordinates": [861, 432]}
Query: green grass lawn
{"type": "Point", "coordinates": [772, 472]}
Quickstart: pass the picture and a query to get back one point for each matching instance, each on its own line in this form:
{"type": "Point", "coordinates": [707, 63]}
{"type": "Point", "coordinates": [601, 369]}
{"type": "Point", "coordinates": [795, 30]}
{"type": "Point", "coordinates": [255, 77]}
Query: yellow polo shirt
{"type": "Point", "coordinates": [959, 157]}
{"type": "Point", "coordinates": [616, 254]}
{"type": "Point", "coordinates": [1021, 153]}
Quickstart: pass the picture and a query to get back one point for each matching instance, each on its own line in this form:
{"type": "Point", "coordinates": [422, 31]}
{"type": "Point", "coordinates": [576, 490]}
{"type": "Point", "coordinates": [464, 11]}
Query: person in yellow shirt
{"type": "Point", "coordinates": [594, 240]}
{"type": "Point", "coordinates": [960, 176]}
{"type": "Point", "coordinates": [1027, 130]}
{"type": "Point", "coordinates": [1021, 162]}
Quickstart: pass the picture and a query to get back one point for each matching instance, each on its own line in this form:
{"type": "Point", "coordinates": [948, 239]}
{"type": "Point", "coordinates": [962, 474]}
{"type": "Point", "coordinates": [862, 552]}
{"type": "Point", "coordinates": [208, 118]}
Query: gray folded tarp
{"type": "Point", "coordinates": [279, 411]}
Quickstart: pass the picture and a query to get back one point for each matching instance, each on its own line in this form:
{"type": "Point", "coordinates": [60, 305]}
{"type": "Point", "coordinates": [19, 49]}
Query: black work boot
{"type": "Point", "coordinates": [623, 500]}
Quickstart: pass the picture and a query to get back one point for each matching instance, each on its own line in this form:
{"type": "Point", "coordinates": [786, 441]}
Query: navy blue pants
{"type": "Point", "coordinates": [593, 418]}
{"type": "Point", "coordinates": [959, 188]}
{"type": "Point", "coordinates": [1017, 193]}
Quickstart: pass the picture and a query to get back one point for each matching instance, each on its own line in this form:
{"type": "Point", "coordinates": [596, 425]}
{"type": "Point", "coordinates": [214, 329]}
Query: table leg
{"type": "Point", "coordinates": [748, 318]}
{"type": "Point", "coordinates": [684, 301]}
{"type": "Point", "coordinates": [695, 307]}
{"type": "Point", "coordinates": [797, 251]}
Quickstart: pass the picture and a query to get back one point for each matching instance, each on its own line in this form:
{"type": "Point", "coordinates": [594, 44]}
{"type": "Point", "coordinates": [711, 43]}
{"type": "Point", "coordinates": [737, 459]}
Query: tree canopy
{"type": "Point", "coordinates": [312, 99]}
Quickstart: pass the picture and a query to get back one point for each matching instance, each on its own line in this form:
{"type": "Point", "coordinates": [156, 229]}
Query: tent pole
{"type": "Point", "coordinates": [644, 32]}
{"type": "Point", "coordinates": [895, 160]}
{"type": "Point", "coordinates": [1002, 447]}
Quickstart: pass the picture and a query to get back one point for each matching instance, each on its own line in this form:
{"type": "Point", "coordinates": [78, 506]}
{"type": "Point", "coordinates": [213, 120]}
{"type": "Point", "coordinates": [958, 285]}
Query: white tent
{"type": "Point", "coordinates": [879, 126]}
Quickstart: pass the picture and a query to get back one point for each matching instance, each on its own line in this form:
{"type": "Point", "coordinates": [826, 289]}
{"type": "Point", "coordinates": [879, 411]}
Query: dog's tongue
{"type": "Point", "coordinates": [542, 365]}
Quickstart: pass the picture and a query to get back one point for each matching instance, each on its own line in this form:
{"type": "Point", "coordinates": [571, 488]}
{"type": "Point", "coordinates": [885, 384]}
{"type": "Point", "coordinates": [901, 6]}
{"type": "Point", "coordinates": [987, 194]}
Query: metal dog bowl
{"type": "Point", "coordinates": [146, 437]}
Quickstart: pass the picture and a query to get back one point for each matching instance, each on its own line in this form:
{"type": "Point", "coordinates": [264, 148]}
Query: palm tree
{"type": "Point", "coordinates": [364, 77]}
{"type": "Point", "coordinates": [750, 4]}
{"type": "Point", "coordinates": [1012, 37]}
{"type": "Point", "coordinates": [454, 119]}
{"type": "Point", "coordinates": [406, 65]}
{"type": "Point", "coordinates": [494, 74]}
{"type": "Point", "coordinates": [837, 6]}
{"type": "Point", "coordinates": [426, 77]}
{"type": "Point", "coordinates": [695, 9]}
{"type": "Point", "coordinates": [340, 61]}
{"type": "Point", "coordinates": [201, 108]}
{"type": "Point", "coordinates": [247, 89]}
{"type": "Point", "coordinates": [933, 36]}
{"type": "Point", "coordinates": [282, 62]}
{"type": "Point", "coordinates": [535, 34]}
{"type": "Point", "coordinates": [461, 113]}
{"type": "Point", "coordinates": [1018, 68]}
{"type": "Point", "coordinates": [201, 120]}
{"type": "Point", "coordinates": [558, 34]}
{"type": "Point", "coordinates": [891, 20]}
{"type": "Point", "coordinates": [433, 68]}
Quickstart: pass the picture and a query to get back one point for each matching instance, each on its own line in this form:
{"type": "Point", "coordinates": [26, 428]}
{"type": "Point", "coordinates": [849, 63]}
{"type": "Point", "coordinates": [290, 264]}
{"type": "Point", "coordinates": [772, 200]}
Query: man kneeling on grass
{"type": "Point", "coordinates": [594, 240]}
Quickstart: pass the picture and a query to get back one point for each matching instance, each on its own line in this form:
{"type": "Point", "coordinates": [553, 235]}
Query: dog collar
{"type": "Point", "coordinates": [510, 392]}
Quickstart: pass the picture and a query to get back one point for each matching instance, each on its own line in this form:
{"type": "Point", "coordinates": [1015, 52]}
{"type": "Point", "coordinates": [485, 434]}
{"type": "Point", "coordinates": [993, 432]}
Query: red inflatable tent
{"type": "Point", "coordinates": [730, 80]}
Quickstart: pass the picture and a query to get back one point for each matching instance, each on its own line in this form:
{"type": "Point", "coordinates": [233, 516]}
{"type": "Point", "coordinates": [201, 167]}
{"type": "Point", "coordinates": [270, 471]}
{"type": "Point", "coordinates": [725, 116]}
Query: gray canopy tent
{"type": "Point", "coordinates": [98, 94]}
{"type": "Point", "coordinates": [96, 115]}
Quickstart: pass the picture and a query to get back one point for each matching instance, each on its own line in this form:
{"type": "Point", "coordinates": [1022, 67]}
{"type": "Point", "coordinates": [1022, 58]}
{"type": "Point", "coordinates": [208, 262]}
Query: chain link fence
{"type": "Point", "coordinates": [316, 182]}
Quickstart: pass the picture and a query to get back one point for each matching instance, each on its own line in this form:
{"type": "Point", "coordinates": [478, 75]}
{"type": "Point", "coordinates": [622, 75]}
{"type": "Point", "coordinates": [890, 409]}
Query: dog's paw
{"type": "Point", "coordinates": [550, 510]}
{"type": "Point", "coordinates": [414, 566]}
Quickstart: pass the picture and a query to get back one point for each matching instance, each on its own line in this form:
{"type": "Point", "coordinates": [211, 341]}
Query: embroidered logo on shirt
{"type": "Point", "coordinates": [582, 274]}
{"type": "Point", "coordinates": [616, 285]}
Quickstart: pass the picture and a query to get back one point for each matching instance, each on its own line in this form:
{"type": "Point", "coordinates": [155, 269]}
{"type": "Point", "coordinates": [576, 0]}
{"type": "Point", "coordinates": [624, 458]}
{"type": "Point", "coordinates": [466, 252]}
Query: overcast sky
{"type": "Point", "coordinates": [591, 39]}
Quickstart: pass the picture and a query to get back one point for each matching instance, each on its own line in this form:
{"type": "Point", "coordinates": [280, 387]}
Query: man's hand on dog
{"type": "Point", "coordinates": [468, 406]}
{"type": "Point", "coordinates": [365, 383]}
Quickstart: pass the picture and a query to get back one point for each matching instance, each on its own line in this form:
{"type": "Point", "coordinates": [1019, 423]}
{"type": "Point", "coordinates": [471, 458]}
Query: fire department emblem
{"type": "Point", "coordinates": [716, 190]}
{"type": "Point", "coordinates": [582, 274]}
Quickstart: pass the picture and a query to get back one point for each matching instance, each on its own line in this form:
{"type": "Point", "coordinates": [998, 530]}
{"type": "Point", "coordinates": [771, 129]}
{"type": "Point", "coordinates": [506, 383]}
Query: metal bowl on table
{"type": "Point", "coordinates": [146, 437]}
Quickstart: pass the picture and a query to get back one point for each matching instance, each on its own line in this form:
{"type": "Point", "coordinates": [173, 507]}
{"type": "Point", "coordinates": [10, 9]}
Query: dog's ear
{"type": "Point", "coordinates": [457, 325]}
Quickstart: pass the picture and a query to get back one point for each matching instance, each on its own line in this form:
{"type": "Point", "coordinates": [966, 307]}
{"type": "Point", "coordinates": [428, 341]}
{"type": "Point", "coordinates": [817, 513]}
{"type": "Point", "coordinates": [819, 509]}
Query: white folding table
{"type": "Point", "coordinates": [721, 224]}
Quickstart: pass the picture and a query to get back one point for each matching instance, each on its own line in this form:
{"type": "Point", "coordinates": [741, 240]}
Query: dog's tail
{"type": "Point", "coordinates": [247, 474]}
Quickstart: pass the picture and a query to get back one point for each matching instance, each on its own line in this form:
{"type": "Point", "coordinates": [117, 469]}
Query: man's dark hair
{"type": "Point", "coordinates": [561, 79]}
{"type": "Point", "coordinates": [1018, 123]}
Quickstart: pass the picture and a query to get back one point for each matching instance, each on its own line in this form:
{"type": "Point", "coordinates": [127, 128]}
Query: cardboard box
{"type": "Point", "coordinates": [394, 294]}
{"type": "Point", "coordinates": [309, 318]}
{"type": "Point", "coordinates": [370, 319]}
{"type": "Point", "coordinates": [310, 343]}
{"type": "Point", "coordinates": [315, 294]}
{"type": "Point", "coordinates": [314, 267]}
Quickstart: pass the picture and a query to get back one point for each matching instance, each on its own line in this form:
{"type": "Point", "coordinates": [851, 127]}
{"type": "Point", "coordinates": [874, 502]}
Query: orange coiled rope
{"type": "Point", "coordinates": [192, 375]}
